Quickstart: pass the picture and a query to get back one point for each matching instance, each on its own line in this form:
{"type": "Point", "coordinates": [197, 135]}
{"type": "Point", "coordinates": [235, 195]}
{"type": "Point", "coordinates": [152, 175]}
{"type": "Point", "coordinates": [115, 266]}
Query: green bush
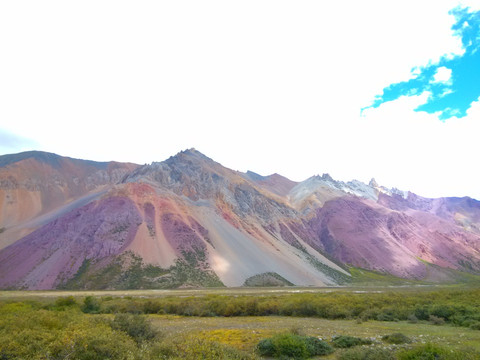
{"type": "Point", "coordinates": [412, 319]}
{"type": "Point", "coordinates": [91, 305]}
{"type": "Point", "coordinates": [386, 317]}
{"type": "Point", "coordinates": [289, 345]}
{"type": "Point", "coordinates": [42, 334]}
{"type": "Point", "coordinates": [317, 347]}
{"type": "Point", "coordinates": [367, 354]}
{"type": "Point", "coordinates": [97, 343]}
{"type": "Point", "coordinates": [346, 341]}
{"type": "Point", "coordinates": [293, 346]}
{"type": "Point", "coordinates": [436, 352]}
{"type": "Point", "coordinates": [475, 325]}
{"type": "Point", "coordinates": [162, 351]}
{"type": "Point", "coordinates": [422, 312]}
{"type": "Point", "coordinates": [15, 308]}
{"type": "Point", "coordinates": [266, 347]}
{"type": "Point", "coordinates": [442, 311]}
{"type": "Point", "coordinates": [63, 303]}
{"type": "Point", "coordinates": [457, 307]}
{"type": "Point", "coordinates": [135, 326]}
{"type": "Point", "coordinates": [396, 338]}
{"type": "Point", "coordinates": [435, 320]}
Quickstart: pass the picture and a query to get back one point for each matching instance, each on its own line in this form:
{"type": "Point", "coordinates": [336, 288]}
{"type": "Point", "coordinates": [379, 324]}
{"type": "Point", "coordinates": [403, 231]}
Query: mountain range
{"type": "Point", "coordinates": [188, 221]}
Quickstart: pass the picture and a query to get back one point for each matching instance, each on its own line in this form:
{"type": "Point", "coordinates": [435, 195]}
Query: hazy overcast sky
{"type": "Point", "coordinates": [358, 89]}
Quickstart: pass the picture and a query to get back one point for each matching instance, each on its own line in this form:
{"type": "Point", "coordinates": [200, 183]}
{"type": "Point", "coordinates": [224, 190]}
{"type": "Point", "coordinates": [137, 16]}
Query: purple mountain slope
{"type": "Point", "coordinates": [193, 222]}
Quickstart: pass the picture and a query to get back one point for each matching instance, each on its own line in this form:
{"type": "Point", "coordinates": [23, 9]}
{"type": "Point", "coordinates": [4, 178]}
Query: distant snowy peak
{"type": "Point", "coordinates": [361, 189]}
{"type": "Point", "coordinates": [316, 190]}
{"type": "Point", "coordinates": [390, 192]}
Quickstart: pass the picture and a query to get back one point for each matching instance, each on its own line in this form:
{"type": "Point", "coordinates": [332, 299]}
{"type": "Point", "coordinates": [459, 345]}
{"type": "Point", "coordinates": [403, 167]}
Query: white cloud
{"type": "Point", "coordinates": [446, 92]}
{"type": "Point", "coordinates": [443, 75]}
{"type": "Point", "coordinates": [271, 86]}
{"type": "Point", "coordinates": [424, 155]}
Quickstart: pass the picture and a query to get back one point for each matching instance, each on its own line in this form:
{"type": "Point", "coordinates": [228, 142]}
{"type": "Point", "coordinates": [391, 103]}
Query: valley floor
{"type": "Point", "coordinates": [225, 322]}
{"type": "Point", "coordinates": [245, 332]}
{"type": "Point", "coordinates": [230, 291]}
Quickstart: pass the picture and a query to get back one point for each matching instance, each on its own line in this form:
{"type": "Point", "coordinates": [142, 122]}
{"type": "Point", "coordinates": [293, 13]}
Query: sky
{"type": "Point", "coordinates": [366, 89]}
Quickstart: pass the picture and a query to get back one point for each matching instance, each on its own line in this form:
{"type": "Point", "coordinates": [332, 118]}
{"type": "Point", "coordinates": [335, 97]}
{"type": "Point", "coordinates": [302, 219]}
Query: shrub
{"type": "Point", "coordinates": [135, 326]}
{"type": "Point", "coordinates": [290, 345]}
{"type": "Point", "coordinates": [266, 348]}
{"type": "Point", "coordinates": [442, 311]}
{"type": "Point", "coordinates": [475, 325]}
{"type": "Point", "coordinates": [91, 305]}
{"type": "Point", "coordinates": [293, 346]}
{"type": "Point", "coordinates": [458, 319]}
{"type": "Point", "coordinates": [412, 319]}
{"type": "Point", "coordinates": [346, 341]}
{"type": "Point", "coordinates": [96, 343]}
{"type": "Point", "coordinates": [42, 334]}
{"type": "Point", "coordinates": [424, 352]}
{"type": "Point", "coordinates": [386, 317]}
{"type": "Point", "coordinates": [422, 312]}
{"type": "Point", "coordinates": [15, 308]}
{"type": "Point", "coordinates": [317, 347]}
{"type": "Point", "coordinates": [435, 320]}
{"type": "Point", "coordinates": [367, 354]}
{"type": "Point", "coordinates": [162, 351]}
{"type": "Point", "coordinates": [63, 303]}
{"type": "Point", "coordinates": [397, 338]}
{"type": "Point", "coordinates": [436, 352]}
{"type": "Point", "coordinates": [456, 307]}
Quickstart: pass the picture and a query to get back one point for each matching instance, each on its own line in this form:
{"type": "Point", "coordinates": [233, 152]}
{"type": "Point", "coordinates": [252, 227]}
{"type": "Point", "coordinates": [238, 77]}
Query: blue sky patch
{"type": "Point", "coordinates": [454, 83]}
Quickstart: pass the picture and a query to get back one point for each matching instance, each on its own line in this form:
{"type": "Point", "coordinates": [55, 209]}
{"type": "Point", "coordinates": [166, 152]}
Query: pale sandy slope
{"type": "Point", "coordinates": [236, 256]}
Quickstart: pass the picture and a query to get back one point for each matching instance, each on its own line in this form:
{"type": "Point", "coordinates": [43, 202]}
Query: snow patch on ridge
{"type": "Point", "coordinates": [316, 190]}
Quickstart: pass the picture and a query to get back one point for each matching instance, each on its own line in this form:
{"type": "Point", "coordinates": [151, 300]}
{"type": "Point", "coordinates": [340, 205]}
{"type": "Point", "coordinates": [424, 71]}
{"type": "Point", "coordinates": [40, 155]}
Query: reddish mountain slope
{"type": "Point", "coordinates": [189, 221]}
{"type": "Point", "coordinates": [34, 183]}
{"type": "Point", "coordinates": [188, 209]}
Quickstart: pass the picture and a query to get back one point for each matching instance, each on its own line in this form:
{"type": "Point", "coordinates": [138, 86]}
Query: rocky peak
{"type": "Point", "coordinates": [254, 176]}
{"type": "Point", "coordinates": [327, 177]}
{"type": "Point", "coordinates": [373, 183]}
{"type": "Point", "coordinates": [188, 155]}
{"type": "Point", "coordinates": [188, 173]}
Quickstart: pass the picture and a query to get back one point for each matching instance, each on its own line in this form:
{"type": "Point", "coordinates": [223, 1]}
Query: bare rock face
{"type": "Point", "coordinates": [188, 220]}
{"type": "Point", "coordinates": [192, 175]}
{"type": "Point", "coordinates": [364, 234]}
{"type": "Point", "coordinates": [188, 173]}
{"type": "Point", "coordinates": [464, 212]}
{"type": "Point", "coordinates": [54, 253]}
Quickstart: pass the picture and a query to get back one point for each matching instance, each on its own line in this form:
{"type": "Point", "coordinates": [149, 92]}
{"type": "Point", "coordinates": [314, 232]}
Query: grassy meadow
{"type": "Point", "coordinates": [405, 322]}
